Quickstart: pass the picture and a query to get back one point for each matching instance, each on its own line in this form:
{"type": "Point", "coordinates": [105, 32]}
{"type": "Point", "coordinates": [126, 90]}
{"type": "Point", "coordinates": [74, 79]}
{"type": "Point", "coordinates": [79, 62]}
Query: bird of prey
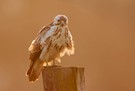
{"type": "Point", "coordinates": [52, 42]}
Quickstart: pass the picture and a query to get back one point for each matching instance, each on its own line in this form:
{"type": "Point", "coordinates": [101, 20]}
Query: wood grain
{"type": "Point", "coordinates": [63, 79]}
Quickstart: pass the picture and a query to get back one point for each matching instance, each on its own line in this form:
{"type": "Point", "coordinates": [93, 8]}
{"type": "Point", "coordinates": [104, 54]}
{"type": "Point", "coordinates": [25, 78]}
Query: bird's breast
{"type": "Point", "coordinates": [60, 38]}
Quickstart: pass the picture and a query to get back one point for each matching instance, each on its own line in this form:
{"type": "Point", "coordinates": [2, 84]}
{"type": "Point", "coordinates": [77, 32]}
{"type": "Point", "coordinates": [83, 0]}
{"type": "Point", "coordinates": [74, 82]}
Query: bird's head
{"type": "Point", "coordinates": [61, 20]}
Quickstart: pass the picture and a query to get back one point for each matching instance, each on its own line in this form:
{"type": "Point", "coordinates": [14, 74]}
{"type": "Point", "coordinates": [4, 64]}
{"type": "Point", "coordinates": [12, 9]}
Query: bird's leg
{"type": "Point", "coordinates": [53, 63]}
{"type": "Point", "coordinates": [47, 63]}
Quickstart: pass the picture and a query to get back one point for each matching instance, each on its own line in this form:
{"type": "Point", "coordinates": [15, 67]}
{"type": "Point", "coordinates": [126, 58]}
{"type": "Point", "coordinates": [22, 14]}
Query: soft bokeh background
{"type": "Point", "coordinates": [103, 31]}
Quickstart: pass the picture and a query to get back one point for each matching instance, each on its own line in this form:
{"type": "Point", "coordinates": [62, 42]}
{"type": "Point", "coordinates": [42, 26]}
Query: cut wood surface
{"type": "Point", "coordinates": [63, 79]}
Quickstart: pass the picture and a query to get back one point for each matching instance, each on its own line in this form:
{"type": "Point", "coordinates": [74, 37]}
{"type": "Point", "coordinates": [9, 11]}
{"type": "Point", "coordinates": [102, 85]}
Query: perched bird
{"type": "Point", "coordinates": [52, 42]}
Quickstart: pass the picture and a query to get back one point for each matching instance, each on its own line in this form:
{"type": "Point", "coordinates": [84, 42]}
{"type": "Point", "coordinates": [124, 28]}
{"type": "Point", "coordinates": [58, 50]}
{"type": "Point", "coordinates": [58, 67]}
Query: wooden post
{"type": "Point", "coordinates": [63, 79]}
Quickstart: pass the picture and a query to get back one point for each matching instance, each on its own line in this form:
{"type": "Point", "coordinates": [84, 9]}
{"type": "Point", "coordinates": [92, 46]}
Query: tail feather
{"type": "Point", "coordinates": [35, 70]}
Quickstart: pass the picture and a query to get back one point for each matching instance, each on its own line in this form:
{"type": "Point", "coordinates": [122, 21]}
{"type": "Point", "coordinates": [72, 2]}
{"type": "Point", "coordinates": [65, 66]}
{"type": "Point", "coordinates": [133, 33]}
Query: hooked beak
{"type": "Point", "coordinates": [62, 23]}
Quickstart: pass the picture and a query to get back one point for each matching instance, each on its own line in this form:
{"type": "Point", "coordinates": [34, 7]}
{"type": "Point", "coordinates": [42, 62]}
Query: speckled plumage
{"type": "Point", "coordinates": [52, 42]}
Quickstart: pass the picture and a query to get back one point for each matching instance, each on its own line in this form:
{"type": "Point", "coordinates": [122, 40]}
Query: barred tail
{"type": "Point", "coordinates": [35, 70]}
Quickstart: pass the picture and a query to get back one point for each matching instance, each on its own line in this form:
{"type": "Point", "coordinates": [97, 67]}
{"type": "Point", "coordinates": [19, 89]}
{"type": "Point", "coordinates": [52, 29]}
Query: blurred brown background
{"type": "Point", "coordinates": [103, 31]}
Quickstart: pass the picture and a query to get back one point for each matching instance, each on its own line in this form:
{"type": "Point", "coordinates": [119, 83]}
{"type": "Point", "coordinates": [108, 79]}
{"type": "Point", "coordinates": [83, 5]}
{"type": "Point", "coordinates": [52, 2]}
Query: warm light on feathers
{"type": "Point", "coordinates": [52, 42]}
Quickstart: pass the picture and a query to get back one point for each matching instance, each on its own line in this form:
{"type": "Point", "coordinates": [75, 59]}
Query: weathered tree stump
{"type": "Point", "coordinates": [63, 79]}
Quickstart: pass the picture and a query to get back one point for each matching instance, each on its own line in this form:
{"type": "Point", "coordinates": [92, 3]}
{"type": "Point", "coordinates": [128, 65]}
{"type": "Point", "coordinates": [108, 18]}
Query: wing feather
{"type": "Point", "coordinates": [69, 43]}
{"type": "Point", "coordinates": [35, 51]}
{"type": "Point", "coordinates": [36, 45]}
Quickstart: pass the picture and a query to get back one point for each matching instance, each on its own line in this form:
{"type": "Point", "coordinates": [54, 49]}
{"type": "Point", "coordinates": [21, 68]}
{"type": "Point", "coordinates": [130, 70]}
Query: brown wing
{"type": "Point", "coordinates": [36, 46]}
{"type": "Point", "coordinates": [70, 44]}
{"type": "Point", "coordinates": [35, 51]}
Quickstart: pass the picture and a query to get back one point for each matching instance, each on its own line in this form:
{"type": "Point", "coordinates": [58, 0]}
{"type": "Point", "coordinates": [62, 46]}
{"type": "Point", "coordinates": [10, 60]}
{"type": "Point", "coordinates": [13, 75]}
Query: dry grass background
{"type": "Point", "coordinates": [103, 31]}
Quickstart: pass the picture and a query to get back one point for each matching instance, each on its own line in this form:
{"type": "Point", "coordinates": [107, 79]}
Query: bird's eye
{"type": "Point", "coordinates": [58, 20]}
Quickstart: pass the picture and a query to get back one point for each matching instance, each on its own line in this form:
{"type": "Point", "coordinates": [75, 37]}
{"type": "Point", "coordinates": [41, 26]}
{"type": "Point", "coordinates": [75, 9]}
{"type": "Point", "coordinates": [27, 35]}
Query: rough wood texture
{"type": "Point", "coordinates": [63, 79]}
